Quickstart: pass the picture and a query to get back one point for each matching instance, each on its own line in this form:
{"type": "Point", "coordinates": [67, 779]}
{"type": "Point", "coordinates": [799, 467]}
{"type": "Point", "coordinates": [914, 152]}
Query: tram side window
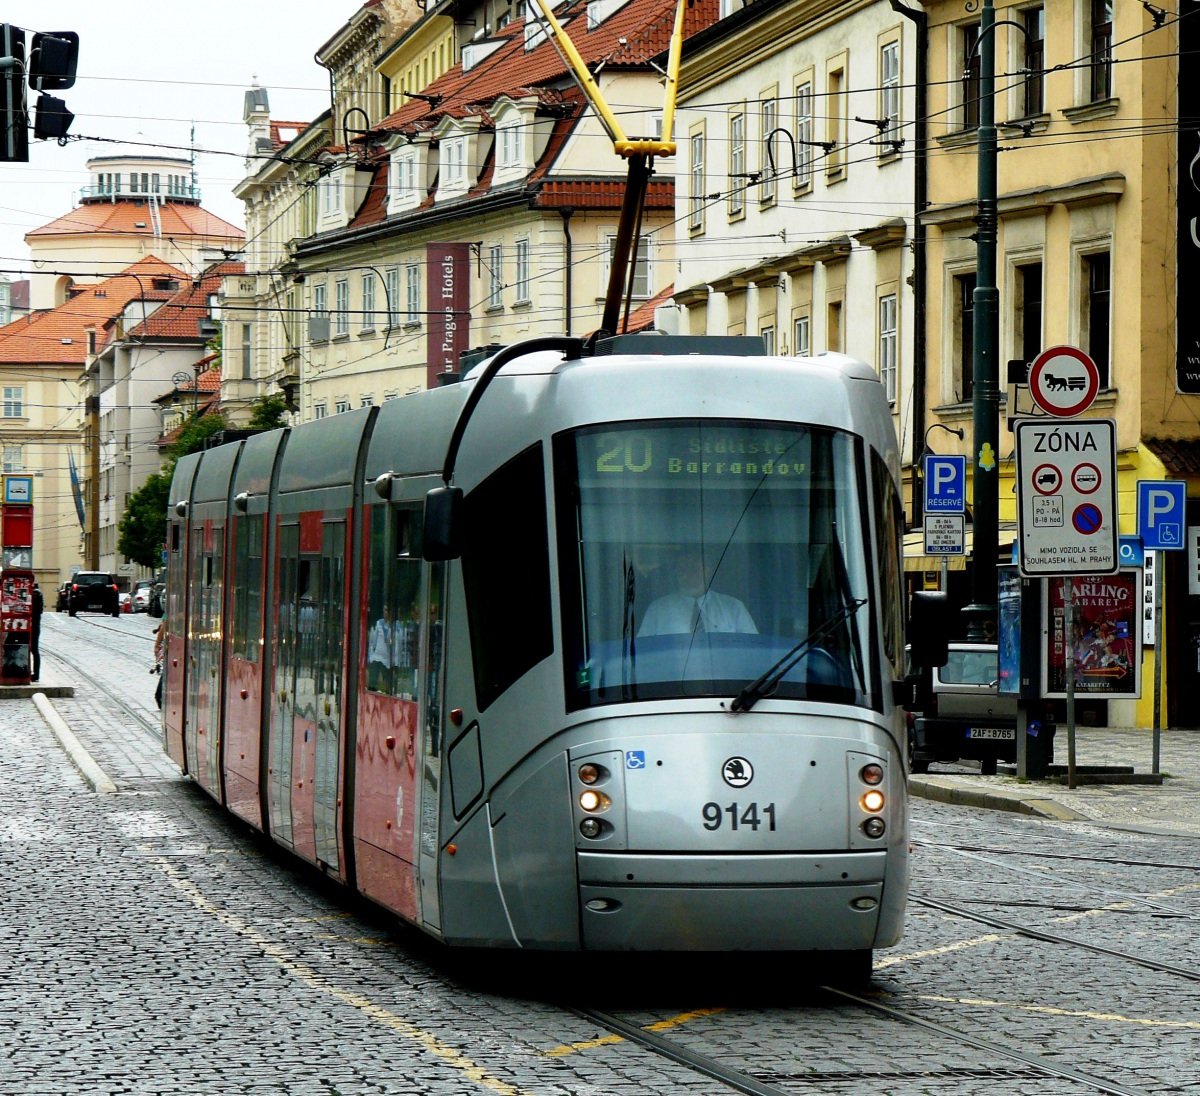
{"type": "Point", "coordinates": [246, 627]}
{"type": "Point", "coordinates": [888, 529]}
{"type": "Point", "coordinates": [394, 602]}
{"type": "Point", "coordinates": [506, 572]}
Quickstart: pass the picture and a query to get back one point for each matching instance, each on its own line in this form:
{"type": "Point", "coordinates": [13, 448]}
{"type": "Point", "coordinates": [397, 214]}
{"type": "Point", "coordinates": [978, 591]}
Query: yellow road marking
{"type": "Point", "coordinates": [1050, 1010]}
{"type": "Point", "coordinates": [945, 949]}
{"type": "Point", "coordinates": [608, 1040]}
{"type": "Point", "coordinates": [315, 981]}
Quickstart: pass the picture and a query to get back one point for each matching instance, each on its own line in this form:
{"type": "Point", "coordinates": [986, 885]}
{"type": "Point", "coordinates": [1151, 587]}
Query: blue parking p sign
{"type": "Point", "coordinates": [945, 484]}
{"type": "Point", "coordinates": [1162, 514]}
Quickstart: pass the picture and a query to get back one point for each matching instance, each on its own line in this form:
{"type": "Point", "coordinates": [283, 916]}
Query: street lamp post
{"type": "Point", "coordinates": [981, 613]}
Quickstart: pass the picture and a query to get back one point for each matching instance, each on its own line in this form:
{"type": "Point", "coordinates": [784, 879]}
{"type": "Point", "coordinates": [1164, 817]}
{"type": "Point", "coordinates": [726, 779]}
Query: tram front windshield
{"type": "Point", "coordinates": [697, 554]}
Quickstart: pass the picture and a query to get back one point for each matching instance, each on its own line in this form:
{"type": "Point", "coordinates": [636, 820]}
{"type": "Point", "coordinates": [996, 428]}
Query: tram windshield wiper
{"type": "Point", "coordinates": [769, 681]}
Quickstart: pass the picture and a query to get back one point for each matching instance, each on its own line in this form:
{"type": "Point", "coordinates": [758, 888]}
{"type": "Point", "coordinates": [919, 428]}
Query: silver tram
{"type": "Point", "coordinates": [630, 682]}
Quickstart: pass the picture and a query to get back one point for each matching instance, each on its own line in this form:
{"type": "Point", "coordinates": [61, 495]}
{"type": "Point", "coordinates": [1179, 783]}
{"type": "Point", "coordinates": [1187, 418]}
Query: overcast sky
{"type": "Point", "coordinates": [148, 74]}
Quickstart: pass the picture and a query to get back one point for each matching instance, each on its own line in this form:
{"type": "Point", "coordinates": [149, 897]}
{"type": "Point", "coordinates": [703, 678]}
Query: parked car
{"type": "Point", "coordinates": [966, 717]}
{"type": "Point", "coordinates": [125, 601]}
{"type": "Point", "coordinates": [141, 596]}
{"type": "Point", "coordinates": [62, 599]}
{"type": "Point", "coordinates": [158, 594]}
{"type": "Point", "coordinates": [95, 591]}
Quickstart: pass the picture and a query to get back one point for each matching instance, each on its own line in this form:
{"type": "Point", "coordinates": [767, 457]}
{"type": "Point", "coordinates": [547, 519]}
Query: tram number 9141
{"type": "Point", "coordinates": [751, 816]}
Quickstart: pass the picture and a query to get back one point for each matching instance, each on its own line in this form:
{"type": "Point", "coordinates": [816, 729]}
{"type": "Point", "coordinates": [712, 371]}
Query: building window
{"type": "Point", "coordinates": [368, 301]}
{"type": "Point", "coordinates": [1096, 321]}
{"type": "Point", "coordinates": [331, 193]}
{"type": "Point", "coordinates": [495, 266]}
{"type": "Point", "coordinates": [320, 410]}
{"type": "Point", "coordinates": [737, 164]}
{"type": "Point", "coordinates": [964, 336]}
{"type": "Point", "coordinates": [1029, 311]}
{"type": "Point", "coordinates": [1101, 43]}
{"type": "Point", "coordinates": [970, 76]}
{"type": "Point", "coordinates": [800, 337]}
{"type": "Point", "coordinates": [804, 135]}
{"type": "Point", "coordinates": [247, 351]}
{"type": "Point", "coordinates": [696, 186]}
{"type": "Point", "coordinates": [14, 458]}
{"type": "Point", "coordinates": [835, 122]}
{"type": "Point", "coordinates": [341, 407]}
{"type": "Point", "coordinates": [14, 402]}
{"type": "Point", "coordinates": [508, 140]}
{"type": "Point", "coordinates": [341, 306]}
{"type": "Point", "coordinates": [833, 326]}
{"type": "Point", "coordinates": [642, 282]}
{"type": "Point", "coordinates": [1034, 21]}
{"type": "Point", "coordinates": [767, 334]}
{"type": "Point", "coordinates": [523, 270]}
{"type": "Point", "coordinates": [453, 153]}
{"type": "Point", "coordinates": [770, 153]}
{"type": "Point", "coordinates": [889, 98]}
{"type": "Point", "coordinates": [412, 293]}
{"type": "Point", "coordinates": [320, 301]}
{"type": "Point", "coordinates": [888, 345]}
{"type": "Point", "coordinates": [392, 285]}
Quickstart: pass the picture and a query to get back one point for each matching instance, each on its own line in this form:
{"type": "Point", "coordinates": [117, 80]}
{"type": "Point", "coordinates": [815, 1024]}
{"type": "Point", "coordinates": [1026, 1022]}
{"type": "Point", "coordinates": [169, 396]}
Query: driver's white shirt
{"type": "Point", "coordinates": [673, 614]}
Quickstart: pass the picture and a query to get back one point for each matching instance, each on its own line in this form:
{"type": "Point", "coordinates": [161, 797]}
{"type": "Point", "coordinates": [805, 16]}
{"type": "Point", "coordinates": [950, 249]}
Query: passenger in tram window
{"type": "Point", "coordinates": [694, 606]}
{"type": "Point", "coordinates": [379, 652]}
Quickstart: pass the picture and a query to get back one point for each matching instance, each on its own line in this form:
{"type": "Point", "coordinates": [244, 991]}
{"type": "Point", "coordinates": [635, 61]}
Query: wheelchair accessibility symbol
{"type": "Point", "coordinates": [635, 759]}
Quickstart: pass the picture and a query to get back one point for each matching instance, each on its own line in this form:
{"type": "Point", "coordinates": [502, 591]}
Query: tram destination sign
{"type": "Point", "coordinates": [1067, 497]}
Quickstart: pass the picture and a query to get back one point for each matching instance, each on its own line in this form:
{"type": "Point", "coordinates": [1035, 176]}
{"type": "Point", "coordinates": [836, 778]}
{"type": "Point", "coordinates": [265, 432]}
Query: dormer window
{"type": "Point", "coordinates": [408, 174]}
{"type": "Point", "coordinates": [459, 153]}
{"type": "Point", "coordinates": [508, 144]}
{"type": "Point", "coordinates": [453, 154]}
{"type": "Point", "coordinates": [331, 194]}
{"type": "Point", "coordinates": [599, 10]}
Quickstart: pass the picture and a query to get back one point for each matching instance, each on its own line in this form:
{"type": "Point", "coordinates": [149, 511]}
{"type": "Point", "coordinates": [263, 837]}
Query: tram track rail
{"type": "Point", "coordinates": [1026, 1066]}
{"type": "Point", "coordinates": [105, 688]}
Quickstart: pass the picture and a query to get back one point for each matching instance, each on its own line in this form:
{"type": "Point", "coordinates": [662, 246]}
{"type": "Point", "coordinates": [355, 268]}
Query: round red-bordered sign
{"type": "Point", "coordinates": [1063, 381]}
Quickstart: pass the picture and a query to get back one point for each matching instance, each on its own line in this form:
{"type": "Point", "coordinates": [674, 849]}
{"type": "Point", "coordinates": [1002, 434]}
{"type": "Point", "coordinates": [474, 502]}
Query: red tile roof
{"type": "Point", "coordinates": [131, 217]}
{"type": "Point", "coordinates": [179, 318]}
{"type": "Point", "coordinates": [58, 336]}
{"type": "Point", "coordinates": [630, 37]}
{"type": "Point", "coordinates": [642, 317]}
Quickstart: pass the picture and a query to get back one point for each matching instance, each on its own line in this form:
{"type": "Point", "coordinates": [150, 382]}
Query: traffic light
{"type": "Point", "coordinates": [14, 141]}
{"type": "Point", "coordinates": [53, 58]}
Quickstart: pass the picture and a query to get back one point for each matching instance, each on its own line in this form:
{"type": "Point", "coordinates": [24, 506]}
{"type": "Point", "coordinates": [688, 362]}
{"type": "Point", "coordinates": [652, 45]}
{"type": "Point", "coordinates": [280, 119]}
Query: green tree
{"type": "Point", "coordinates": [267, 412]}
{"type": "Point", "coordinates": [143, 527]}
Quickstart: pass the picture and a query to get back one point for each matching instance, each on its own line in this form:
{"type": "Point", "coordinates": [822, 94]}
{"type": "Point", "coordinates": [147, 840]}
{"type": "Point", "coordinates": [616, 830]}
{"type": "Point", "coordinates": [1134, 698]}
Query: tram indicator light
{"type": "Point", "coordinates": [872, 801]}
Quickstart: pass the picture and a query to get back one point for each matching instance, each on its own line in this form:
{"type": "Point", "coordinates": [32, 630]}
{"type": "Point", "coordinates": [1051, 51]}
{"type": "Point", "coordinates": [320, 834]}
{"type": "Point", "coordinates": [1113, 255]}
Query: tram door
{"type": "Point", "coordinates": [283, 688]}
{"type": "Point", "coordinates": [329, 644]}
{"type": "Point", "coordinates": [431, 767]}
{"type": "Point", "coordinates": [204, 684]}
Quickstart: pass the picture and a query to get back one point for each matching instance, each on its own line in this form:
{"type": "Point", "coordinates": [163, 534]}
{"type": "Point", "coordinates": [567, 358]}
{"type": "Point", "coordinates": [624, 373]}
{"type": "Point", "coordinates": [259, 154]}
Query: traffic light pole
{"type": "Point", "coordinates": [981, 613]}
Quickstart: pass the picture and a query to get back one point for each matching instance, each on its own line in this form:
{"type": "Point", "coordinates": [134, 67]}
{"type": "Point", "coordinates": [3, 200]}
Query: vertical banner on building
{"type": "Point", "coordinates": [1187, 230]}
{"type": "Point", "coordinates": [448, 277]}
{"type": "Point", "coordinates": [1106, 635]}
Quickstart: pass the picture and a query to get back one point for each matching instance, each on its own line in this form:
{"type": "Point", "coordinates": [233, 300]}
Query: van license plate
{"type": "Point", "coordinates": [1001, 733]}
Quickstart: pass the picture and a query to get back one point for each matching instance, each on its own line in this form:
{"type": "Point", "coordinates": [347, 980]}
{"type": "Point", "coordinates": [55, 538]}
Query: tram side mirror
{"type": "Point", "coordinates": [929, 628]}
{"type": "Point", "coordinates": [442, 532]}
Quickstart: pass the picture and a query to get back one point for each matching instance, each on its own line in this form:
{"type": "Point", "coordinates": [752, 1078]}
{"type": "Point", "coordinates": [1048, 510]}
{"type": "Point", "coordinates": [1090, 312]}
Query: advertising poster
{"type": "Point", "coordinates": [1105, 635]}
{"type": "Point", "coordinates": [1009, 630]}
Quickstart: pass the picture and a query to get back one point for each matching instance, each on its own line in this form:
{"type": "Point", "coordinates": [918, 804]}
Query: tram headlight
{"type": "Point", "coordinates": [589, 773]}
{"type": "Point", "coordinates": [591, 827]}
{"type": "Point", "coordinates": [872, 801]}
{"type": "Point", "coordinates": [874, 826]}
{"type": "Point", "coordinates": [592, 801]}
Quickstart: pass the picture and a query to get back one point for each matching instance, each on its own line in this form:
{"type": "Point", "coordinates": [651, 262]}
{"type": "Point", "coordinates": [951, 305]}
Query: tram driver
{"type": "Point", "coordinates": [694, 606]}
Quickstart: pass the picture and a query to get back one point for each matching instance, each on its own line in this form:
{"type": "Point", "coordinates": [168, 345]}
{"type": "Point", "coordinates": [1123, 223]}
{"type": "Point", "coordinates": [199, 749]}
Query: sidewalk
{"type": "Point", "coordinates": [1170, 807]}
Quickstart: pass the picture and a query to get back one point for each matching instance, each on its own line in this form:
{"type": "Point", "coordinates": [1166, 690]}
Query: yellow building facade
{"type": "Point", "coordinates": [1089, 169]}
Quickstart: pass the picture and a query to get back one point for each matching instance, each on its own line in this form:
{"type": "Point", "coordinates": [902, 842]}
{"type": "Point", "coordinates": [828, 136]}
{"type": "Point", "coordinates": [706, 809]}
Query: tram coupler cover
{"type": "Point", "coordinates": [16, 623]}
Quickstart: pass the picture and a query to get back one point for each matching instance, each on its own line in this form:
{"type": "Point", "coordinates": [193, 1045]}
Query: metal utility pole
{"type": "Point", "coordinates": [92, 540]}
{"type": "Point", "coordinates": [981, 613]}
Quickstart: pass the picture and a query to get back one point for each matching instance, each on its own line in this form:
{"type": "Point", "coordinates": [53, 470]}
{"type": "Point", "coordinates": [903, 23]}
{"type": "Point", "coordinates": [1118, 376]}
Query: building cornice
{"type": "Point", "coordinates": [1077, 194]}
